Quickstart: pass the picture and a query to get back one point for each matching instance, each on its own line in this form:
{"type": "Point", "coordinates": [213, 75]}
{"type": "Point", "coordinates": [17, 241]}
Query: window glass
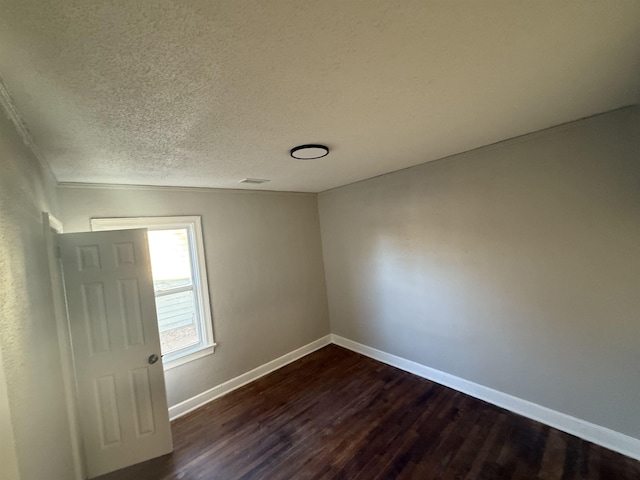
{"type": "Point", "coordinates": [170, 258]}
{"type": "Point", "coordinates": [177, 321]}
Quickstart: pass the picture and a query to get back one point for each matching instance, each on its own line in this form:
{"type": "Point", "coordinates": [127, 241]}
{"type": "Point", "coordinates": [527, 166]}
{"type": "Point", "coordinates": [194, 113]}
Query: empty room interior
{"type": "Point", "coordinates": [331, 240]}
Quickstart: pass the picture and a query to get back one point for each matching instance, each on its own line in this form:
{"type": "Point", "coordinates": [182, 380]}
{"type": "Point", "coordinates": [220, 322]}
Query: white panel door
{"type": "Point", "coordinates": [112, 314]}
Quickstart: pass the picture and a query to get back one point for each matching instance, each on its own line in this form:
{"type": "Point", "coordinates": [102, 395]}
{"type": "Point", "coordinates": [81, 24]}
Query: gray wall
{"type": "Point", "coordinates": [264, 264]}
{"type": "Point", "coordinates": [32, 377]}
{"type": "Point", "coordinates": [516, 266]}
{"type": "Point", "coordinates": [8, 454]}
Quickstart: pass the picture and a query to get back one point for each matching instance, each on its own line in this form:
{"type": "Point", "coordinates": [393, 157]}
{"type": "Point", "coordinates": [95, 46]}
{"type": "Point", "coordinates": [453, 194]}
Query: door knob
{"type": "Point", "coordinates": [153, 358]}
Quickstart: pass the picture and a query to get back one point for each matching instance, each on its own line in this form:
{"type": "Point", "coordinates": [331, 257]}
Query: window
{"type": "Point", "coordinates": [179, 282]}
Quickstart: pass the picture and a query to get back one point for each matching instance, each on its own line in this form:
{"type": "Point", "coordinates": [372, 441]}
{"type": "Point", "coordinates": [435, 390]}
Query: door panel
{"type": "Point", "coordinates": [122, 400]}
{"type": "Point", "coordinates": [131, 312]}
{"type": "Point", "coordinates": [107, 406]}
{"type": "Point", "coordinates": [95, 317]}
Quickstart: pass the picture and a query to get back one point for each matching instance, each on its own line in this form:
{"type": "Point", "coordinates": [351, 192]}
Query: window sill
{"type": "Point", "coordinates": [176, 362]}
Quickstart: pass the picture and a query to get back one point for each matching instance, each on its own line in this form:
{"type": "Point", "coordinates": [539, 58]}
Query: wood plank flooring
{"type": "Point", "coordinates": [335, 414]}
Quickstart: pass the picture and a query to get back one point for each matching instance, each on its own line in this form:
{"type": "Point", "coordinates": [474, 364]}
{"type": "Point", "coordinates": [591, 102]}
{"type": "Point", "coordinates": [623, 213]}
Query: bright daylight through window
{"type": "Point", "coordinates": [179, 281]}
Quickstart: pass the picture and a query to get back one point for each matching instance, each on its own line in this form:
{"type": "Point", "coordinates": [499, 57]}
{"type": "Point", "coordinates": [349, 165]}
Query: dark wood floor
{"type": "Point", "coordinates": [338, 415]}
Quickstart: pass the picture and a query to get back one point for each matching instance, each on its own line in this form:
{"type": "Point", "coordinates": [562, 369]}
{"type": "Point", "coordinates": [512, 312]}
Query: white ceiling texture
{"type": "Point", "coordinates": [207, 92]}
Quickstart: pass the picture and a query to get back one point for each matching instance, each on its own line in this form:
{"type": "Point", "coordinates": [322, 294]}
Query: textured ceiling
{"type": "Point", "coordinates": [205, 93]}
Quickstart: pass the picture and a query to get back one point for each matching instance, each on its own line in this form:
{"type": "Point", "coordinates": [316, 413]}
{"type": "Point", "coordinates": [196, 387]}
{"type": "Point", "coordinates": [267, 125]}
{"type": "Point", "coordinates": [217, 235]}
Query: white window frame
{"type": "Point", "coordinates": [193, 224]}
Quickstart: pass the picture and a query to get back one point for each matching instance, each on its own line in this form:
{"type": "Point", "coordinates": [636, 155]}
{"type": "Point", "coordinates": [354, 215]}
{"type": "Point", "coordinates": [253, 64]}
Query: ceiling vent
{"type": "Point", "coordinates": [254, 180]}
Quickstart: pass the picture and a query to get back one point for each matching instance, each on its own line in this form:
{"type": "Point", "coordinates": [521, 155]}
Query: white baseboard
{"type": "Point", "coordinates": [203, 398]}
{"type": "Point", "coordinates": [591, 432]}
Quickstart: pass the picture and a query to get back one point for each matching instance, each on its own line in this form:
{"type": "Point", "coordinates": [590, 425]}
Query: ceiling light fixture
{"type": "Point", "coordinates": [309, 152]}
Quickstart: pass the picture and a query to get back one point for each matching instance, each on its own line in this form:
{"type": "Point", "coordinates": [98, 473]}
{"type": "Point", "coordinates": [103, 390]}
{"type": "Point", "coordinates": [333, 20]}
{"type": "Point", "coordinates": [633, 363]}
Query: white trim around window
{"type": "Point", "coordinates": [193, 225]}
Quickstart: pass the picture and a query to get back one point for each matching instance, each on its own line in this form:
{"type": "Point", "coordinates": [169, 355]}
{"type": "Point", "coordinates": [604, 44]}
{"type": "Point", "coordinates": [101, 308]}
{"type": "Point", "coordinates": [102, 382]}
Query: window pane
{"type": "Point", "coordinates": [177, 321]}
{"type": "Point", "coordinates": [170, 259]}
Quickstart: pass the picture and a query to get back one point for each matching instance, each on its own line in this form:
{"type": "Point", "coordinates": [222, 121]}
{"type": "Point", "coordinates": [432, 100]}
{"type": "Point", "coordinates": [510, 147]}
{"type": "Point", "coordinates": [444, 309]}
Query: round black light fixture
{"type": "Point", "coordinates": [309, 152]}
